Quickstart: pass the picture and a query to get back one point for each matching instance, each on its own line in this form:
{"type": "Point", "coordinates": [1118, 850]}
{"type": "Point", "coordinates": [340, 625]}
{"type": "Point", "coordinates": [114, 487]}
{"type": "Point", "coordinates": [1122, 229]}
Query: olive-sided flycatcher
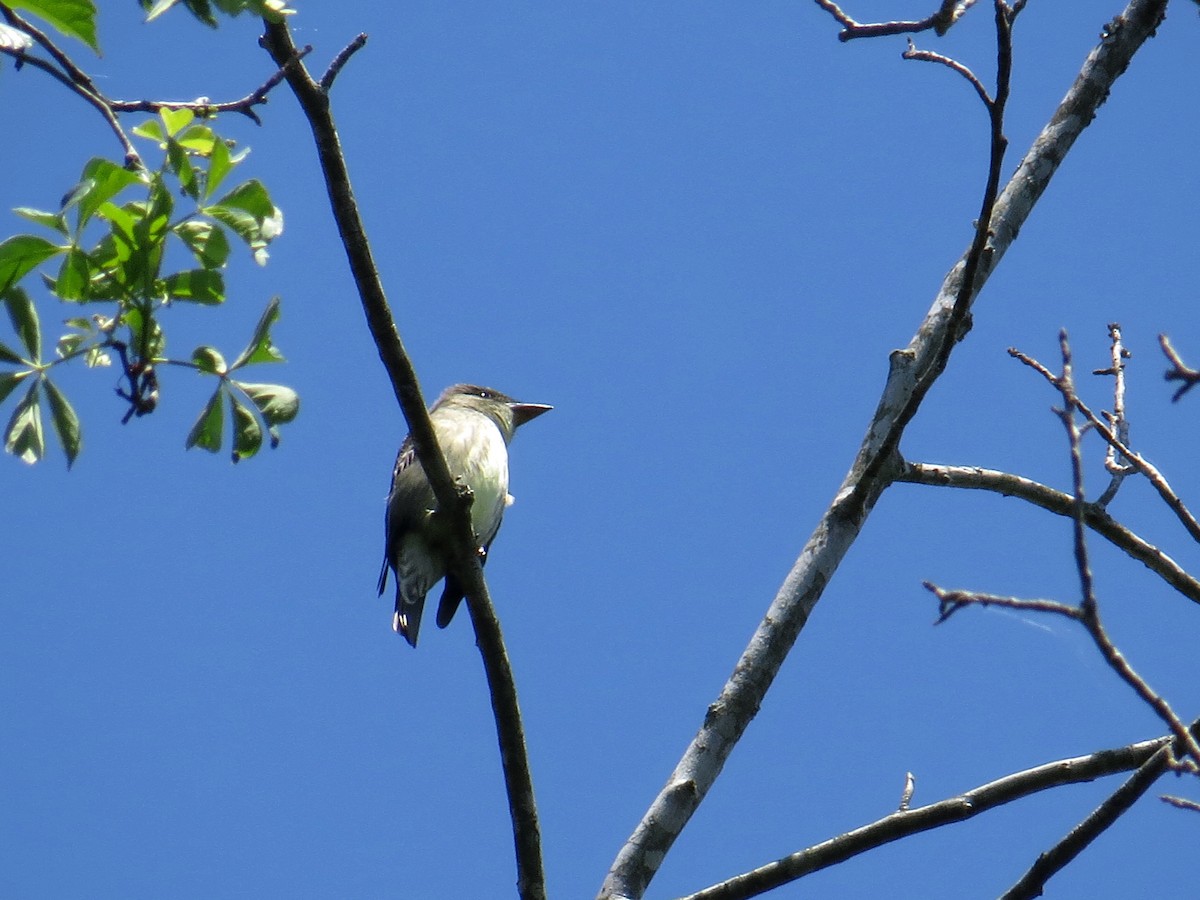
{"type": "Point", "coordinates": [473, 426]}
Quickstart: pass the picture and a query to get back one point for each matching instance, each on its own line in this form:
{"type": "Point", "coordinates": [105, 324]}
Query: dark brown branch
{"type": "Point", "coordinates": [954, 65]}
{"type": "Point", "coordinates": [340, 61]}
{"type": "Point", "coordinates": [951, 601]}
{"type": "Point", "coordinates": [464, 562]}
{"type": "Point", "coordinates": [1054, 860]}
{"type": "Point", "coordinates": [904, 823]}
{"type": "Point", "coordinates": [1179, 370]}
{"type": "Point", "coordinates": [204, 107]}
{"type": "Point", "coordinates": [1060, 504]}
{"type": "Point", "coordinates": [76, 74]}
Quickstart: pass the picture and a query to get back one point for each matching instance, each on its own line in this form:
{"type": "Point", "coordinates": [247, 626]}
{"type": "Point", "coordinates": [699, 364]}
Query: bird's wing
{"type": "Point", "coordinates": [409, 492]}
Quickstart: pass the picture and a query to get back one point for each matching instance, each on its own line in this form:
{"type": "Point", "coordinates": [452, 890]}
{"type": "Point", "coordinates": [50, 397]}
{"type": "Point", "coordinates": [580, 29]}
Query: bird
{"type": "Point", "coordinates": [473, 425]}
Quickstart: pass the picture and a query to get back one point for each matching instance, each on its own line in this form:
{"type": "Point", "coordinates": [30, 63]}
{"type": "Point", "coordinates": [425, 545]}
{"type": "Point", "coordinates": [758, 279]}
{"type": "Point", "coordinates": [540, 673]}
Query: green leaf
{"type": "Point", "coordinates": [102, 179]}
{"type": "Point", "coordinates": [51, 220]}
{"type": "Point", "coordinates": [24, 437]}
{"type": "Point", "coordinates": [181, 164]}
{"type": "Point", "coordinates": [206, 433]}
{"type": "Point", "coordinates": [220, 164]}
{"type": "Point", "coordinates": [198, 285]}
{"type": "Point", "coordinates": [9, 382]}
{"type": "Point", "coordinates": [75, 18]}
{"type": "Point", "coordinates": [278, 404]}
{"type": "Point", "coordinates": [9, 356]}
{"type": "Point", "coordinates": [73, 276]}
{"type": "Point", "coordinates": [24, 318]}
{"type": "Point", "coordinates": [22, 253]}
{"type": "Point", "coordinates": [260, 349]}
{"type": "Point", "coordinates": [175, 119]}
{"type": "Point", "coordinates": [247, 432]}
{"type": "Point", "coordinates": [250, 196]}
{"type": "Point", "coordinates": [66, 423]}
{"type": "Point", "coordinates": [207, 242]}
{"type": "Point", "coordinates": [150, 129]}
{"type": "Point", "coordinates": [248, 210]}
{"type": "Point", "coordinates": [210, 360]}
{"type": "Point", "coordinates": [198, 139]}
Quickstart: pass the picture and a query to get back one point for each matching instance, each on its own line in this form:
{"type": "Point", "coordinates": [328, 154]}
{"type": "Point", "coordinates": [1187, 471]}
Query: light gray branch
{"type": "Point", "coordinates": [913, 369]}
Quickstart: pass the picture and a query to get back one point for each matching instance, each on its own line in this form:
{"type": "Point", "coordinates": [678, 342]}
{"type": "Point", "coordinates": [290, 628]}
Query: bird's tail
{"type": "Point", "coordinates": [452, 596]}
{"type": "Point", "coordinates": [407, 619]}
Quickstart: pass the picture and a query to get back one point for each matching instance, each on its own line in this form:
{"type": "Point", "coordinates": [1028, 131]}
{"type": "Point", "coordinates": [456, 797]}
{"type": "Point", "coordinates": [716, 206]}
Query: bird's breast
{"type": "Point", "coordinates": [476, 453]}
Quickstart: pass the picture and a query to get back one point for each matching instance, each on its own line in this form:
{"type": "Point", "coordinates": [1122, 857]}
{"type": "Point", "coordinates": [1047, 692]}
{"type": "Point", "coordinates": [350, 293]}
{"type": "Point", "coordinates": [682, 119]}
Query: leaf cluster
{"type": "Point", "coordinates": [110, 240]}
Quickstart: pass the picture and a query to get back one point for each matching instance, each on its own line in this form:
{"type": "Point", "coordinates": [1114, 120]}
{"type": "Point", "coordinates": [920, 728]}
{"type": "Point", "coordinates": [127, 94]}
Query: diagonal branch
{"type": "Point", "coordinates": [1061, 504]}
{"type": "Point", "coordinates": [913, 370]}
{"type": "Point", "coordinates": [1032, 883]}
{"type": "Point", "coordinates": [904, 823]}
{"type": "Point", "coordinates": [464, 560]}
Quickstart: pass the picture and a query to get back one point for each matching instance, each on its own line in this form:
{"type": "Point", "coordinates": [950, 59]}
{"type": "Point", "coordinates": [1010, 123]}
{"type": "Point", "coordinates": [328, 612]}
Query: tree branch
{"type": "Point", "coordinates": [904, 823]}
{"type": "Point", "coordinates": [1155, 477]}
{"type": "Point", "coordinates": [912, 371]}
{"type": "Point", "coordinates": [1033, 882]}
{"type": "Point", "coordinates": [464, 562]}
{"type": "Point", "coordinates": [1061, 504]}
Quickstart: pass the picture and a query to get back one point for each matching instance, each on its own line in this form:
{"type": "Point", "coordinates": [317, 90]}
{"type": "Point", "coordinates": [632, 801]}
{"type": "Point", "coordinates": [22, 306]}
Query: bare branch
{"type": "Point", "coordinates": [340, 61]}
{"type": "Point", "coordinates": [1179, 371]}
{"type": "Point", "coordinates": [464, 561]}
{"type": "Point", "coordinates": [1117, 420]}
{"type": "Point", "coordinates": [1054, 860]}
{"type": "Point", "coordinates": [951, 601]}
{"type": "Point", "coordinates": [204, 107]}
{"type": "Point", "coordinates": [913, 370]}
{"type": "Point", "coordinates": [948, 13]}
{"type": "Point", "coordinates": [904, 823]}
{"type": "Point", "coordinates": [1180, 802]}
{"type": "Point", "coordinates": [929, 56]}
{"type": "Point", "coordinates": [1061, 504]}
{"type": "Point", "coordinates": [1155, 477]}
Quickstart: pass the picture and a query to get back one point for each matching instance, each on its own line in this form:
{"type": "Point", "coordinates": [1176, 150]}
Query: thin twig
{"type": "Point", "coordinates": [204, 107]}
{"type": "Point", "coordinates": [948, 13]}
{"type": "Point", "coordinates": [1179, 370]}
{"type": "Point", "coordinates": [340, 61]}
{"type": "Point", "coordinates": [951, 601]}
{"type": "Point", "coordinates": [904, 823]}
{"type": "Point", "coordinates": [1116, 419]}
{"type": "Point", "coordinates": [1088, 611]}
{"type": "Point", "coordinates": [1156, 478]}
{"type": "Point", "coordinates": [1180, 802]}
{"type": "Point", "coordinates": [73, 71]}
{"type": "Point", "coordinates": [464, 561]}
{"type": "Point", "coordinates": [954, 65]}
{"type": "Point", "coordinates": [1061, 504]}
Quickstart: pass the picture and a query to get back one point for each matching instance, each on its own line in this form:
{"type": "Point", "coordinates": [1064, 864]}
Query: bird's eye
{"type": "Point", "coordinates": [486, 395]}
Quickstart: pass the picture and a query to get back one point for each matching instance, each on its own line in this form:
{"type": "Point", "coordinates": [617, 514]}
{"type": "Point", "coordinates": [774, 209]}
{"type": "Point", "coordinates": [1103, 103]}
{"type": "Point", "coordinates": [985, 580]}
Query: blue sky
{"type": "Point", "coordinates": [697, 229]}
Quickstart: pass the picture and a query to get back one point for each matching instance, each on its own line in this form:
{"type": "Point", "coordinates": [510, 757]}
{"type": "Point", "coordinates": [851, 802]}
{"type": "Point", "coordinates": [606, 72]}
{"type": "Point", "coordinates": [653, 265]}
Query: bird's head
{"type": "Point", "coordinates": [507, 413]}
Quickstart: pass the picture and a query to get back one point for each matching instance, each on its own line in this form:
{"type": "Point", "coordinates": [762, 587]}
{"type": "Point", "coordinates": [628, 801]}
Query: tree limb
{"type": "Point", "coordinates": [1061, 504]}
{"type": "Point", "coordinates": [912, 371]}
{"type": "Point", "coordinates": [464, 561]}
{"type": "Point", "coordinates": [905, 823]}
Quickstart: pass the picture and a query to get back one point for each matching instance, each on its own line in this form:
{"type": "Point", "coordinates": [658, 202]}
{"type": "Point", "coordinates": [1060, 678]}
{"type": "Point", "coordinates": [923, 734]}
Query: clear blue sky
{"type": "Point", "coordinates": [697, 229]}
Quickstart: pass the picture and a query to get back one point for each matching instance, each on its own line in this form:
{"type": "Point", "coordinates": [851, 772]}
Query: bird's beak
{"type": "Point", "coordinates": [524, 412]}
